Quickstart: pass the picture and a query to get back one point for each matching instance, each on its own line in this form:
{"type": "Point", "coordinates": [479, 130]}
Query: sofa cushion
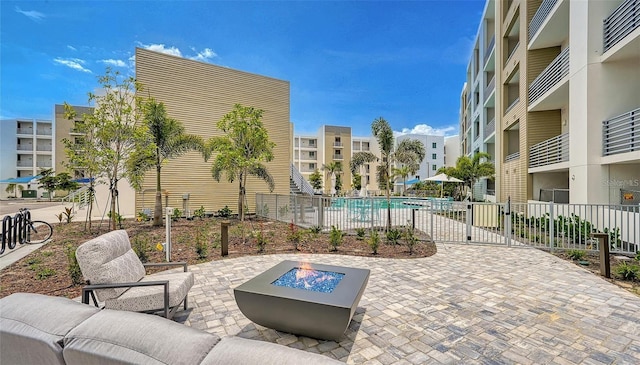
{"type": "Point", "coordinates": [32, 327]}
{"type": "Point", "coordinates": [116, 337]}
{"type": "Point", "coordinates": [152, 297]}
{"type": "Point", "coordinates": [241, 351]}
{"type": "Point", "coordinates": [109, 259]}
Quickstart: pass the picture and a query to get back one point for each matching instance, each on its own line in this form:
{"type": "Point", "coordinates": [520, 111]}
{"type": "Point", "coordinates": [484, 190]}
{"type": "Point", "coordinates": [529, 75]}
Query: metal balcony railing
{"type": "Point", "coordinates": [513, 51]}
{"type": "Point", "coordinates": [43, 163]}
{"type": "Point", "coordinates": [44, 132]}
{"type": "Point", "coordinates": [541, 14]}
{"type": "Point", "coordinates": [512, 105]}
{"type": "Point", "coordinates": [489, 128]}
{"type": "Point", "coordinates": [25, 131]}
{"type": "Point", "coordinates": [25, 164]}
{"type": "Point", "coordinates": [621, 134]}
{"type": "Point", "coordinates": [76, 131]}
{"type": "Point", "coordinates": [490, 87]}
{"type": "Point", "coordinates": [43, 148]}
{"type": "Point", "coordinates": [512, 157]}
{"type": "Point", "coordinates": [550, 76]}
{"type": "Point", "coordinates": [624, 20]}
{"type": "Point", "coordinates": [550, 151]}
{"type": "Point", "coordinates": [25, 147]}
{"type": "Point", "coordinates": [337, 144]}
{"type": "Point", "coordinates": [338, 157]}
{"type": "Point", "coordinates": [489, 49]}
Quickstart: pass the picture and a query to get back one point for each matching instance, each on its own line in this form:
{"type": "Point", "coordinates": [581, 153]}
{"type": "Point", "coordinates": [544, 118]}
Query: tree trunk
{"type": "Point", "coordinates": [90, 209]}
{"type": "Point", "coordinates": [241, 197]}
{"type": "Point", "coordinates": [114, 196]}
{"type": "Point", "coordinates": [157, 211]}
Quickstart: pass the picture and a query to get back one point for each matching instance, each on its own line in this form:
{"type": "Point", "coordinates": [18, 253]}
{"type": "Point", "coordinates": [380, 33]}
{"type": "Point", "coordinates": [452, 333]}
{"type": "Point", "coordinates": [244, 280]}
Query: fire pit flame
{"type": "Point", "coordinates": [306, 277]}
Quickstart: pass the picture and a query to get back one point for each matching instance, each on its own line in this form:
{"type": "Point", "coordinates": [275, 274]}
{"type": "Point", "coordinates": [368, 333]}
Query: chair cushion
{"type": "Point", "coordinates": [116, 337]}
{"type": "Point", "coordinates": [32, 327]}
{"type": "Point", "coordinates": [152, 297]}
{"type": "Point", "coordinates": [109, 259]}
{"type": "Point", "coordinates": [242, 351]}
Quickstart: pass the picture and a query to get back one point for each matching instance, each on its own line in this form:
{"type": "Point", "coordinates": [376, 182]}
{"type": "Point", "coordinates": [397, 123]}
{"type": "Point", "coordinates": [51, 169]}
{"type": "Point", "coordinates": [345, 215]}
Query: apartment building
{"type": "Point", "coordinates": [198, 95]}
{"type": "Point", "coordinates": [69, 130]}
{"type": "Point", "coordinates": [566, 99]}
{"type": "Point", "coordinates": [434, 154]}
{"type": "Point", "coordinates": [26, 146]}
{"type": "Point", "coordinates": [451, 150]}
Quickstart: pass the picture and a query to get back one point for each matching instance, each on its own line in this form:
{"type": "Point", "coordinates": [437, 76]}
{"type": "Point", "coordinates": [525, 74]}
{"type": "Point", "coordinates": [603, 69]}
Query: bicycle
{"type": "Point", "coordinates": [21, 229]}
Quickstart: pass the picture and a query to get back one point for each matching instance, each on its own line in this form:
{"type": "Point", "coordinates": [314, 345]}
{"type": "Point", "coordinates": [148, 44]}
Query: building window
{"type": "Point", "coordinates": [312, 142]}
{"type": "Point", "coordinates": [433, 167]}
{"type": "Point", "coordinates": [433, 156]}
{"type": "Point", "coordinates": [312, 166]}
{"type": "Point", "coordinates": [312, 154]}
{"type": "Point", "coordinates": [433, 145]}
{"type": "Point", "coordinates": [336, 152]}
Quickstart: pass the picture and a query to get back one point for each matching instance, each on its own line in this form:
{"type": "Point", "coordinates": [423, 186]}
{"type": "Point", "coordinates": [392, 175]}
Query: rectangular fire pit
{"type": "Point", "coordinates": [306, 299]}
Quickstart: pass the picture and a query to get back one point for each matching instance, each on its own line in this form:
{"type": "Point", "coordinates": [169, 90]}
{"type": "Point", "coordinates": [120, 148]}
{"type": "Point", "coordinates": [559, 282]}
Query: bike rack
{"type": "Point", "coordinates": [15, 230]}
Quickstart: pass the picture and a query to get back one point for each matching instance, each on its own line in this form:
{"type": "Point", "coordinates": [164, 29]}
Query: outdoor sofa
{"type": "Point", "coordinates": [40, 329]}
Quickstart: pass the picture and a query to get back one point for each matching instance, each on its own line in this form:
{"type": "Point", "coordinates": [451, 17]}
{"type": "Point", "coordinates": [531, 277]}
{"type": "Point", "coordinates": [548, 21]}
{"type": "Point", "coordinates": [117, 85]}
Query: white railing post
{"type": "Point", "coordinates": [552, 227]}
{"type": "Point", "coordinates": [167, 243]}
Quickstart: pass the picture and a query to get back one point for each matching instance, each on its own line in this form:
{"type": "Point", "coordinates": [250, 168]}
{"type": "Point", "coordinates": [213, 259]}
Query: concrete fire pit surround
{"type": "Point", "coordinates": [299, 311]}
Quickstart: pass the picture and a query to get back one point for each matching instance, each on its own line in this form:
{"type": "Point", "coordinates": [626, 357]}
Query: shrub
{"type": "Point", "coordinates": [199, 213]}
{"type": "Point", "coordinates": [627, 271]}
{"type": "Point", "coordinates": [177, 214]}
{"type": "Point", "coordinates": [67, 215]}
{"type": "Point", "coordinates": [410, 239]}
{"type": "Point", "coordinates": [335, 238]}
{"type": "Point", "coordinates": [294, 235]}
{"type": "Point", "coordinates": [393, 236]}
{"type": "Point", "coordinates": [576, 255]}
{"type": "Point", "coordinates": [142, 217]}
{"type": "Point", "coordinates": [638, 256]}
{"type": "Point", "coordinates": [315, 229]}
{"type": "Point", "coordinates": [202, 248]}
{"type": "Point", "coordinates": [261, 239]}
{"type": "Point", "coordinates": [224, 212]}
{"type": "Point", "coordinates": [73, 267]}
{"type": "Point", "coordinates": [44, 272]}
{"type": "Point", "coordinates": [119, 218]}
{"type": "Point", "coordinates": [141, 247]}
{"type": "Point", "coordinates": [360, 232]}
{"type": "Point", "coordinates": [374, 242]}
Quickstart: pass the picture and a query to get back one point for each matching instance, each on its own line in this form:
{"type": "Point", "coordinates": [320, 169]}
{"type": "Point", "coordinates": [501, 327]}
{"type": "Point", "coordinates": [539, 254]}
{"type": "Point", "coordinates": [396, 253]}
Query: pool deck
{"type": "Point", "coordinates": [467, 304]}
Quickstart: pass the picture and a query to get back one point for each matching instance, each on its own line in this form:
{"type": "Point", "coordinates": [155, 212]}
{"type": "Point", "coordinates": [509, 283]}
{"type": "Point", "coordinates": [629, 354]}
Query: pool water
{"type": "Point", "coordinates": [309, 279]}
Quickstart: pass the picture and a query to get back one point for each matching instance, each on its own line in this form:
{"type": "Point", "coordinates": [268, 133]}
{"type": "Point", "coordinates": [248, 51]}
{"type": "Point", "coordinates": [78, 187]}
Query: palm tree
{"type": "Point", "coordinates": [403, 172]}
{"type": "Point", "coordinates": [333, 167]}
{"type": "Point", "coordinates": [166, 140]}
{"type": "Point", "coordinates": [472, 169]}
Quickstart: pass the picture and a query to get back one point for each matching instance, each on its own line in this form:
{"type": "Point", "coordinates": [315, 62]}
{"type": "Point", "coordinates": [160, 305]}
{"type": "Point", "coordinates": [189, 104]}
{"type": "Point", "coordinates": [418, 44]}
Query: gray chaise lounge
{"type": "Point", "coordinates": [39, 329]}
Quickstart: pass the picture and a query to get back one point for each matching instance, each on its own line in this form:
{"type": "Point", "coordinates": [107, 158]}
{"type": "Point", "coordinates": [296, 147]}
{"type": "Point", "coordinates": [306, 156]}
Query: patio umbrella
{"type": "Point", "coordinates": [333, 184]}
{"type": "Point", "coordinates": [442, 178]}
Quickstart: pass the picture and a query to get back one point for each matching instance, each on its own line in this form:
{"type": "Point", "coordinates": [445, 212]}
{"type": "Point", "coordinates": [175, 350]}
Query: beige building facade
{"type": "Point", "coordinates": [199, 95]}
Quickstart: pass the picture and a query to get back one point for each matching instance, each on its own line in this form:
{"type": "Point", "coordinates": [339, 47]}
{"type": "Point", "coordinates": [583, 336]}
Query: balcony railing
{"type": "Point", "coordinates": [489, 49]}
{"type": "Point", "coordinates": [43, 148]}
{"type": "Point", "coordinates": [25, 147]}
{"type": "Point", "coordinates": [43, 163]}
{"type": "Point", "coordinates": [28, 131]}
{"type": "Point", "coordinates": [25, 164]}
{"type": "Point", "coordinates": [76, 131]}
{"type": "Point", "coordinates": [490, 87]}
{"type": "Point", "coordinates": [44, 132]}
{"type": "Point", "coordinates": [489, 128]}
{"type": "Point", "coordinates": [624, 20]}
{"type": "Point", "coordinates": [338, 157]}
{"type": "Point", "coordinates": [550, 151]}
{"type": "Point", "coordinates": [512, 157]}
{"type": "Point", "coordinates": [550, 76]}
{"type": "Point", "coordinates": [621, 134]}
{"type": "Point", "coordinates": [513, 51]}
{"type": "Point", "coordinates": [541, 14]}
{"type": "Point", "coordinates": [512, 105]}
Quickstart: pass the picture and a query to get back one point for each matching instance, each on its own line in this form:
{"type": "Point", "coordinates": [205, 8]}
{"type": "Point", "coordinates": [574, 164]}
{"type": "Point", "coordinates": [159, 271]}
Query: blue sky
{"type": "Point", "coordinates": [348, 62]}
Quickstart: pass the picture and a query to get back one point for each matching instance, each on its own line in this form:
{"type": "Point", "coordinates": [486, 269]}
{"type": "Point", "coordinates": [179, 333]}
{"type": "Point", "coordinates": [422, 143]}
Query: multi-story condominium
{"type": "Point", "coordinates": [27, 147]}
{"type": "Point", "coordinates": [451, 150]}
{"type": "Point", "coordinates": [565, 99]}
{"type": "Point", "coordinates": [434, 157]}
{"type": "Point", "coordinates": [71, 131]}
{"type": "Point", "coordinates": [198, 95]}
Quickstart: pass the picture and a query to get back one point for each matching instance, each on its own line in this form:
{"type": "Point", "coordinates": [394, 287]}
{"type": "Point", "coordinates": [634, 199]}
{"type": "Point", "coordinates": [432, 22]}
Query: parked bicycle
{"type": "Point", "coordinates": [21, 229]}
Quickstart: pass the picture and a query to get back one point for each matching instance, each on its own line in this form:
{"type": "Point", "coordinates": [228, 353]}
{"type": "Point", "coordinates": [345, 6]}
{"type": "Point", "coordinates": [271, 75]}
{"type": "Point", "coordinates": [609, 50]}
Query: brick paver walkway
{"type": "Point", "coordinates": [465, 305]}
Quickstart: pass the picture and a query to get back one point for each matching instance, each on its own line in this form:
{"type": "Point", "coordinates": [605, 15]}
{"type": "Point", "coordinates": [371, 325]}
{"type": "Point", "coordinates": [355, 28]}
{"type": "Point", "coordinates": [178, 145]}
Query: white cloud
{"type": "Point", "coordinates": [74, 63]}
{"type": "Point", "coordinates": [205, 55]}
{"type": "Point", "coordinates": [116, 63]}
{"type": "Point", "coordinates": [71, 48]}
{"type": "Point", "coordinates": [459, 52]}
{"type": "Point", "coordinates": [427, 129]}
{"type": "Point", "coordinates": [162, 49]}
{"type": "Point", "coordinates": [36, 16]}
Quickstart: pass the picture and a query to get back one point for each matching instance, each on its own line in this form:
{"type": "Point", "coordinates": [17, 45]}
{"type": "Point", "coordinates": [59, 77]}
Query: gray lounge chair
{"type": "Point", "coordinates": [115, 274]}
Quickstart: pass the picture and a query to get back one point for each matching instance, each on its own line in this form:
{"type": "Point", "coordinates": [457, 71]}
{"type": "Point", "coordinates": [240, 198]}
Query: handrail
{"type": "Point", "coordinates": [489, 49]}
{"type": "Point", "coordinates": [489, 128]}
{"type": "Point", "coordinates": [550, 76]}
{"type": "Point", "coordinates": [300, 182]}
{"type": "Point", "coordinates": [512, 157]}
{"type": "Point", "coordinates": [541, 14]}
{"type": "Point", "coordinates": [621, 134]}
{"type": "Point", "coordinates": [624, 20]}
{"type": "Point", "coordinates": [550, 151]}
{"type": "Point", "coordinates": [490, 87]}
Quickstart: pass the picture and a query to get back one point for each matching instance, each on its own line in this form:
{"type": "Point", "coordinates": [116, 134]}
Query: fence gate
{"type": "Point", "coordinates": [466, 222]}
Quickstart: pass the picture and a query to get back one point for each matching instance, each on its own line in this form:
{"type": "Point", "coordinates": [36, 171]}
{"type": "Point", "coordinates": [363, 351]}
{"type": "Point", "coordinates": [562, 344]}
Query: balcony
{"type": "Point", "coordinates": [550, 25]}
{"type": "Point", "coordinates": [622, 22]}
{"type": "Point", "coordinates": [25, 163]}
{"type": "Point", "coordinates": [548, 79]}
{"type": "Point", "coordinates": [490, 49]}
{"type": "Point", "coordinates": [338, 157]}
{"type": "Point", "coordinates": [28, 131]}
{"type": "Point", "coordinates": [551, 151]}
{"type": "Point", "coordinates": [45, 148]}
{"type": "Point", "coordinates": [308, 158]}
{"type": "Point", "coordinates": [512, 157]}
{"type": "Point", "coordinates": [489, 129]}
{"type": "Point", "coordinates": [337, 144]}
{"type": "Point", "coordinates": [44, 132]}
{"type": "Point", "coordinates": [25, 147]}
{"type": "Point", "coordinates": [512, 105]}
{"type": "Point", "coordinates": [513, 51]}
{"type": "Point", "coordinates": [45, 164]}
{"type": "Point", "coordinates": [621, 134]}
{"type": "Point", "coordinates": [76, 131]}
{"type": "Point", "coordinates": [491, 86]}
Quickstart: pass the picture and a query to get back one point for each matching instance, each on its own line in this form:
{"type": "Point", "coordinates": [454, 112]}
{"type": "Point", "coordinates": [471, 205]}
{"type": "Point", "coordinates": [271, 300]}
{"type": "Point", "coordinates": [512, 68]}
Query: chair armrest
{"type": "Point", "coordinates": [91, 287]}
{"type": "Point", "coordinates": [177, 263]}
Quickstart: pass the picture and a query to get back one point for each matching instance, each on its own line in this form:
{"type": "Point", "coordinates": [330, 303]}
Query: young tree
{"type": "Point", "coordinates": [409, 155]}
{"type": "Point", "coordinates": [243, 151]}
{"type": "Point", "coordinates": [356, 181]}
{"type": "Point", "coordinates": [472, 169]}
{"type": "Point", "coordinates": [165, 138]}
{"type": "Point", "coordinates": [13, 189]}
{"type": "Point", "coordinates": [332, 168]}
{"type": "Point", "coordinates": [316, 180]}
{"type": "Point", "coordinates": [403, 172]}
{"type": "Point", "coordinates": [48, 181]}
{"type": "Point", "coordinates": [115, 130]}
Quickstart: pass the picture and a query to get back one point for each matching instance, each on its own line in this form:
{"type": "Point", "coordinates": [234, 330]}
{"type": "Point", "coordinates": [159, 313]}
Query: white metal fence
{"type": "Point", "coordinates": [549, 226]}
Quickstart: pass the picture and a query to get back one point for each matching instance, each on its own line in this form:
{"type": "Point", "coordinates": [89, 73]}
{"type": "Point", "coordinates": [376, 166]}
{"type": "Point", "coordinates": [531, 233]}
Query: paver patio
{"type": "Point", "coordinates": [466, 304]}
